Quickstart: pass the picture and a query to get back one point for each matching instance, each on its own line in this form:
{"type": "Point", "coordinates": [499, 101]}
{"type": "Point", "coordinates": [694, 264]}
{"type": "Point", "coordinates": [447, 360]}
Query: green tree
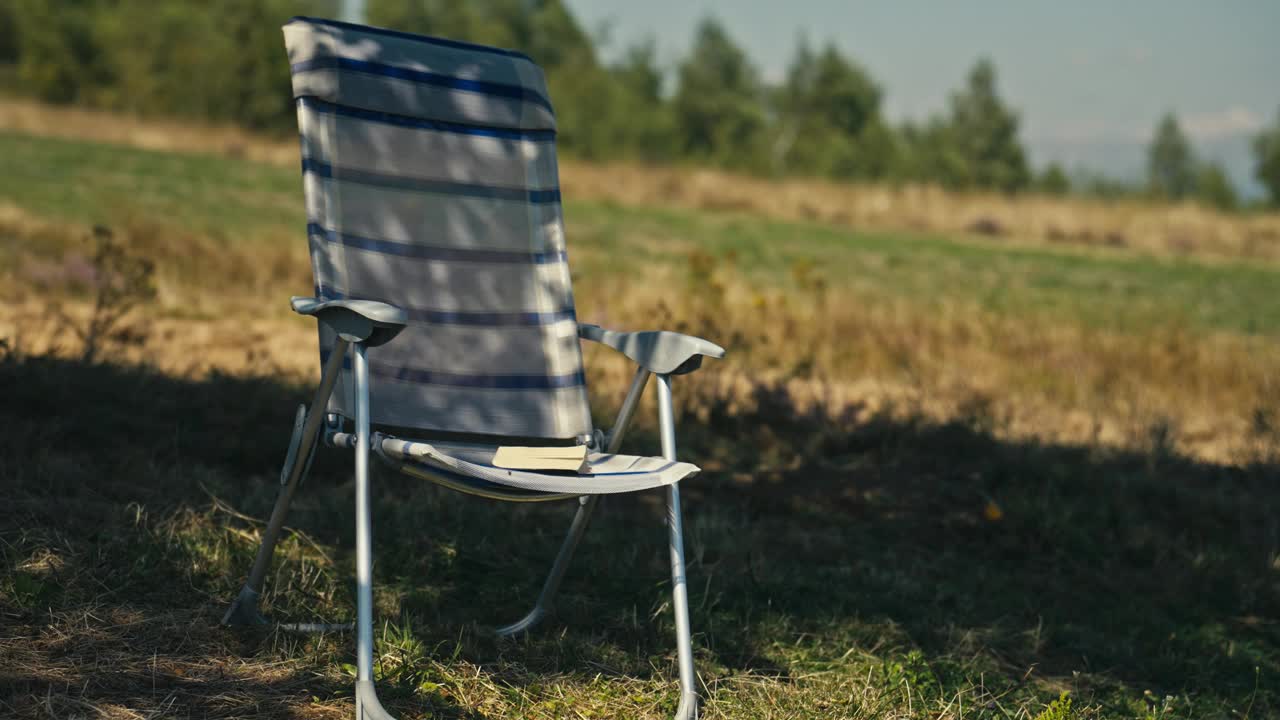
{"type": "Point", "coordinates": [913, 156]}
{"type": "Point", "coordinates": [1266, 152]}
{"type": "Point", "coordinates": [639, 73]}
{"type": "Point", "coordinates": [59, 54]}
{"type": "Point", "coordinates": [8, 33]}
{"type": "Point", "coordinates": [645, 125]}
{"type": "Point", "coordinates": [877, 150]}
{"type": "Point", "coordinates": [1171, 165]}
{"type": "Point", "coordinates": [829, 117]}
{"type": "Point", "coordinates": [1053, 180]}
{"type": "Point", "coordinates": [545, 30]}
{"type": "Point", "coordinates": [1214, 188]}
{"type": "Point", "coordinates": [718, 109]}
{"type": "Point", "coordinates": [262, 98]}
{"type": "Point", "coordinates": [481, 21]}
{"type": "Point", "coordinates": [975, 144]}
{"type": "Point", "coordinates": [980, 145]}
{"type": "Point", "coordinates": [580, 86]}
{"type": "Point", "coordinates": [220, 60]}
{"type": "Point", "coordinates": [828, 90]}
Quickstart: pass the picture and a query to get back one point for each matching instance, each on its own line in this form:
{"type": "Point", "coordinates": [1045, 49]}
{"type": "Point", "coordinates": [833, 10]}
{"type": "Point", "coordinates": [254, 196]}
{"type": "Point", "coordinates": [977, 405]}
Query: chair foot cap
{"type": "Point", "coordinates": [244, 609]}
{"type": "Point", "coordinates": [367, 705]}
{"type": "Point", "coordinates": [524, 624]}
{"type": "Point", "coordinates": [688, 708]}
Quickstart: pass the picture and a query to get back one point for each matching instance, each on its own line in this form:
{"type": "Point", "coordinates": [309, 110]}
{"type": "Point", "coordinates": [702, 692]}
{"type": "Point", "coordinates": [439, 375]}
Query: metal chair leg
{"type": "Point", "coordinates": [586, 505]}
{"type": "Point", "coordinates": [367, 705]}
{"type": "Point", "coordinates": [540, 609]}
{"type": "Point", "coordinates": [688, 708]}
{"type": "Point", "coordinates": [244, 609]}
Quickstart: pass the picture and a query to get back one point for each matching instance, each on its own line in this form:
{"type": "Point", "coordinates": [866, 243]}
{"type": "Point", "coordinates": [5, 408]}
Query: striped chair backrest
{"type": "Point", "coordinates": [431, 183]}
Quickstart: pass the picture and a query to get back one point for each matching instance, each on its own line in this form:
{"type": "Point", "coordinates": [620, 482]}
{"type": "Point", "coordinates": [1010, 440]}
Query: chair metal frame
{"type": "Point", "coordinates": [315, 425]}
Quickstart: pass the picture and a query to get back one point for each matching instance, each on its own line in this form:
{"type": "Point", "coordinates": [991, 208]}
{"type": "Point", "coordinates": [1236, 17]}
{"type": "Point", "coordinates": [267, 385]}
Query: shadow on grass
{"type": "Point", "coordinates": [933, 555]}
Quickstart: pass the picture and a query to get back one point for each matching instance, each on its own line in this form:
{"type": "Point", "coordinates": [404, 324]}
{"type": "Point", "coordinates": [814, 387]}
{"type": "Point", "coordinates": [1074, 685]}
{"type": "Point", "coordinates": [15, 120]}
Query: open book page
{"type": "Point", "coordinates": [573, 459]}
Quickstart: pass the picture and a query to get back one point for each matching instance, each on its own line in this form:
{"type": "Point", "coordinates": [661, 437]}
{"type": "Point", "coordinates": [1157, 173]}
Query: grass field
{"type": "Point", "coordinates": [947, 475]}
{"type": "Point", "coordinates": [238, 203]}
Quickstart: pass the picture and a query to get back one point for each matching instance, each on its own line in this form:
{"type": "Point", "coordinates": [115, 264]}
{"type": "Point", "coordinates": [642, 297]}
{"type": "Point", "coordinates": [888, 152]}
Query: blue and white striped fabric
{"type": "Point", "coordinates": [431, 184]}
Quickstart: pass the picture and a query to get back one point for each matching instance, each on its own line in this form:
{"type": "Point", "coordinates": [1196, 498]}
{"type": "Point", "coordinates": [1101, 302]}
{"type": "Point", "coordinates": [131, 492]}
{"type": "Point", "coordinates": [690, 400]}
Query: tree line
{"type": "Point", "coordinates": [222, 60]}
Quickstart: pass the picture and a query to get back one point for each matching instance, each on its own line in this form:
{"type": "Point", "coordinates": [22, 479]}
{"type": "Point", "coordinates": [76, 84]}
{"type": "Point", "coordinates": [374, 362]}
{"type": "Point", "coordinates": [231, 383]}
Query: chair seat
{"type": "Point", "coordinates": [611, 473]}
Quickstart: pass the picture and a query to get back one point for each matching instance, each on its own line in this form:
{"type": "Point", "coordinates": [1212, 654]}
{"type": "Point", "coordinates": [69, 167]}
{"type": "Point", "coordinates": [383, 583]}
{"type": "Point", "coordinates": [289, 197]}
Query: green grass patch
{"type": "Point", "coordinates": [1111, 290]}
{"type": "Point", "coordinates": [91, 183]}
{"type": "Point", "coordinates": [240, 202]}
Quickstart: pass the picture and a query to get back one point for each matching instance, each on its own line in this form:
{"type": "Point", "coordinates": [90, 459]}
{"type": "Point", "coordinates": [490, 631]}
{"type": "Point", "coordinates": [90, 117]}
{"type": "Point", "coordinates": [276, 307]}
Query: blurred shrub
{"type": "Point", "coordinates": [1213, 187]}
{"type": "Point", "coordinates": [1266, 151]}
{"type": "Point", "coordinates": [219, 60]}
{"type": "Point", "coordinates": [1053, 181]}
{"type": "Point", "coordinates": [118, 281]}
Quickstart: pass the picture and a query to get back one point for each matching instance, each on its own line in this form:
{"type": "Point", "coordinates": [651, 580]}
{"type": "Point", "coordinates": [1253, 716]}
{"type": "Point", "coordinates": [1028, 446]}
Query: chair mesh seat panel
{"type": "Point", "coordinates": [431, 183]}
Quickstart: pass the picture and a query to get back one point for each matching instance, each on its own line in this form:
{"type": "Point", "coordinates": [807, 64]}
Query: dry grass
{"type": "Point", "coordinates": [1211, 396]}
{"type": "Point", "coordinates": [195, 325]}
{"type": "Point", "coordinates": [36, 118]}
{"type": "Point", "coordinates": [1031, 219]}
{"type": "Point", "coordinates": [1214, 397]}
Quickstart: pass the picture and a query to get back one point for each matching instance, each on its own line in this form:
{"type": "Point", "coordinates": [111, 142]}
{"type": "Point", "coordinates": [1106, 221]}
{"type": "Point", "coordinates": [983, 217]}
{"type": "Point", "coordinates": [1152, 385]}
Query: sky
{"type": "Point", "coordinates": [1090, 78]}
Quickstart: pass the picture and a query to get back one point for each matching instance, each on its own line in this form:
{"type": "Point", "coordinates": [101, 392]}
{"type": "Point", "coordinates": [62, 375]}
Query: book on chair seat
{"type": "Point", "coordinates": [572, 459]}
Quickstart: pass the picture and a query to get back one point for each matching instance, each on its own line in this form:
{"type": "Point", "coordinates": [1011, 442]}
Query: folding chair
{"type": "Point", "coordinates": [444, 303]}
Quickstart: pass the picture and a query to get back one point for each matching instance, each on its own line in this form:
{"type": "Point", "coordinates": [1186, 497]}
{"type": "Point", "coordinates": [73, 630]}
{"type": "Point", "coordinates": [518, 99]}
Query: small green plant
{"type": "Point", "coordinates": [30, 590]}
{"type": "Point", "coordinates": [1059, 709]}
{"type": "Point", "coordinates": [405, 660]}
{"type": "Point", "coordinates": [911, 672]}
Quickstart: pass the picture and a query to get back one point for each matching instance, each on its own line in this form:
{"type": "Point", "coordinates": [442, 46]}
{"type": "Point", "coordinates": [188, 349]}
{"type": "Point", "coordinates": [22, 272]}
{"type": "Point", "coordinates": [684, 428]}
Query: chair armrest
{"type": "Point", "coordinates": [658, 351]}
{"type": "Point", "coordinates": [359, 321]}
